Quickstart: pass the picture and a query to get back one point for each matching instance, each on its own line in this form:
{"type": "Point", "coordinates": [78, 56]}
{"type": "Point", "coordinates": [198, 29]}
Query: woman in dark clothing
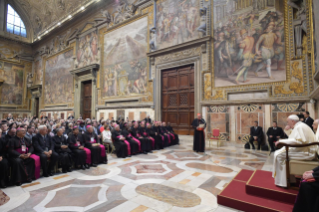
{"type": "Point", "coordinates": [77, 147]}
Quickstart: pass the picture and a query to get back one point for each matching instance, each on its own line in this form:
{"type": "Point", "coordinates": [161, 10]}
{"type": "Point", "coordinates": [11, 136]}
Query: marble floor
{"type": "Point", "coordinates": [174, 179]}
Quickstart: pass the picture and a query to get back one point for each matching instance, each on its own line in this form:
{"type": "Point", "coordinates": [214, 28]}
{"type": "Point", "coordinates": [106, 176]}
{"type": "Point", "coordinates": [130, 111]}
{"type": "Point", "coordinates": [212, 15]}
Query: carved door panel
{"type": "Point", "coordinates": [37, 102]}
{"type": "Point", "coordinates": [87, 99]}
{"type": "Point", "coordinates": [178, 98]}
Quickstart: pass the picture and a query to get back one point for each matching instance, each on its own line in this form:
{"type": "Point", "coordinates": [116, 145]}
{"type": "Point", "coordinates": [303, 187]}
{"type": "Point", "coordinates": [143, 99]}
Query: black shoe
{"type": "Point", "coordinates": [64, 170]}
{"type": "Point", "coordinates": [29, 181]}
{"type": "Point", "coordinates": [2, 184]}
{"type": "Point", "coordinates": [104, 162]}
{"type": "Point", "coordinates": [83, 167]}
{"type": "Point", "coordinates": [18, 184]}
{"type": "Point", "coordinates": [69, 169]}
{"type": "Point", "coordinates": [45, 175]}
{"type": "Point", "coordinates": [87, 166]}
{"type": "Point", "coordinates": [50, 174]}
{"type": "Point", "coordinates": [94, 165]}
{"type": "Point", "coordinates": [144, 152]}
{"type": "Point", "coordinates": [151, 151]}
{"type": "Point", "coordinates": [129, 156]}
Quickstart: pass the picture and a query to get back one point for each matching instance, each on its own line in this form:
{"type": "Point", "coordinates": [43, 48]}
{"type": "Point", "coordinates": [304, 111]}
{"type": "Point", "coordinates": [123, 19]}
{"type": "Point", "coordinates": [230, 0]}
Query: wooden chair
{"type": "Point", "coordinates": [215, 137]}
{"type": "Point", "coordinates": [298, 167]}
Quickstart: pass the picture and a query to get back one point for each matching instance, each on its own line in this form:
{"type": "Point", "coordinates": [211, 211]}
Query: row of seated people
{"type": "Point", "coordinates": [26, 157]}
{"type": "Point", "coordinates": [82, 148]}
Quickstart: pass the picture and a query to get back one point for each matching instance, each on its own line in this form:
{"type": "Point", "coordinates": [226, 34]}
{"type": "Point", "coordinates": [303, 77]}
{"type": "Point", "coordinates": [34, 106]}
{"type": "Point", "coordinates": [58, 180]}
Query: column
{"type": "Point", "coordinates": [33, 112]}
{"type": "Point", "coordinates": [232, 124]}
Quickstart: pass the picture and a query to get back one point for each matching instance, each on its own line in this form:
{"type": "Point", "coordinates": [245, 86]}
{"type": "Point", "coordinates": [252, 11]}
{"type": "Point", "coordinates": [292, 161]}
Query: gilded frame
{"type": "Point", "coordinates": [147, 12]}
{"type": "Point", "coordinates": [71, 47]}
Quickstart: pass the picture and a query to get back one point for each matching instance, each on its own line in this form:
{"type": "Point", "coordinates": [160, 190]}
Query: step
{"type": "Point", "coordinates": [263, 185]}
{"type": "Point", "coordinates": [235, 196]}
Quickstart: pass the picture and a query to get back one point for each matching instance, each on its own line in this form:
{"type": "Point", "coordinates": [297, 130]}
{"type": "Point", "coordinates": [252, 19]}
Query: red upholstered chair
{"type": "Point", "coordinates": [215, 137]}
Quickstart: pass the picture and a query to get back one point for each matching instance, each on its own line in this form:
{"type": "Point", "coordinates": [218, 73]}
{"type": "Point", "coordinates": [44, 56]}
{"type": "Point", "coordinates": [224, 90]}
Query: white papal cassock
{"type": "Point", "coordinates": [301, 134]}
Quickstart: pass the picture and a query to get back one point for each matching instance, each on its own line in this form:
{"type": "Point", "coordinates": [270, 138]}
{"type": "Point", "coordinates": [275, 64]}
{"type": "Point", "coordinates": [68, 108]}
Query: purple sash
{"type": "Point", "coordinates": [36, 159]}
{"type": "Point", "coordinates": [127, 145]}
{"type": "Point", "coordinates": [138, 142]}
{"type": "Point", "coordinates": [88, 156]}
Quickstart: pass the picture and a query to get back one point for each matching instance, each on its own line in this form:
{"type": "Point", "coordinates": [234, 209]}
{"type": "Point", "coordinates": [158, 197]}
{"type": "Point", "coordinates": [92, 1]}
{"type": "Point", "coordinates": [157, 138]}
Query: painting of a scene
{"type": "Point", "coordinates": [12, 88]}
{"type": "Point", "coordinates": [249, 43]}
{"type": "Point", "coordinates": [125, 63]}
{"type": "Point", "coordinates": [177, 22]}
{"type": "Point", "coordinates": [87, 51]}
{"type": "Point", "coordinates": [58, 80]}
{"type": "Point", "coordinates": [38, 71]}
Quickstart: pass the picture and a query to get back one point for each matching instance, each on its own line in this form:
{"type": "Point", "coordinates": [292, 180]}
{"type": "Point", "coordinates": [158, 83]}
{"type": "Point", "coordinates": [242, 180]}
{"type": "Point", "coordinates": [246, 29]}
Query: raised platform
{"type": "Point", "coordinates": [254, 191]}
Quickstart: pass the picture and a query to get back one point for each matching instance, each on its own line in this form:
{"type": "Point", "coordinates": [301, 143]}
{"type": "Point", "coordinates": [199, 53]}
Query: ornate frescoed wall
{"type": "Point", "coordinates": [58, 82]}
{"type": "Point", "coordinates": [250, 43]}
{"type": "Point", "coordinates": [124, 67]}
{"type": "Point", "coordinates": [177, 22]}
{"type": "Point", "coordinates": [12, 90]}
{"type": "Point", "coordinates": [87, 50]}
{"type": "Point", "coordinates": [38, 72]}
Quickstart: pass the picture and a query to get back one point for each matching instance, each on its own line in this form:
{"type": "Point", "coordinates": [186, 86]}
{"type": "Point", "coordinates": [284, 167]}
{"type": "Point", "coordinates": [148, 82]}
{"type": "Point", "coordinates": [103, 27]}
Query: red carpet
{"type": "Point", "coordinates": [263, 185]}
{"type": "Point", "coordinates": [255, 192]}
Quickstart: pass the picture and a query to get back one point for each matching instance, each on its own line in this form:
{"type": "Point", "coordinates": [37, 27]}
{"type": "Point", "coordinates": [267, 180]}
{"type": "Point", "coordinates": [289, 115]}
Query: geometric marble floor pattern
{"type": "Point", "coordinates": [175, 179]}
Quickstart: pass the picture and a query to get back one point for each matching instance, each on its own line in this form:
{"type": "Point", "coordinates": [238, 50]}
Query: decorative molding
{"type": "Point", "coordinates": [179, 46]}
{"type": "Point", "coordinates": [178, 55]}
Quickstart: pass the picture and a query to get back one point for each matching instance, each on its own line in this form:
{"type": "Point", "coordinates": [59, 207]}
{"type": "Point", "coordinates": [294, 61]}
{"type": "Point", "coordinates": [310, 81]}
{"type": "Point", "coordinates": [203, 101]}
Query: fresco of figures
{"type": "Point", "coordinates": [124, 60]}
{"type": "Point", "coordinates": [38, 71]}
{"type": "Point", "coordinates": [177, 22]}
{"type": "Point", "coordinates": [87, 50]}
{"type": "Point", "coordinates": [58, 80]}
{"type": "Point", "coordinates": [249, 46]}
{"type": "Point", "coordinates": [12, 89]}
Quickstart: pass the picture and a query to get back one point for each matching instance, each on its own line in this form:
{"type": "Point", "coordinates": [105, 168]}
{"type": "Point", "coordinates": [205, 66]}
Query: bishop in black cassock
{"type": "Point", "coordinates": [199, 134]}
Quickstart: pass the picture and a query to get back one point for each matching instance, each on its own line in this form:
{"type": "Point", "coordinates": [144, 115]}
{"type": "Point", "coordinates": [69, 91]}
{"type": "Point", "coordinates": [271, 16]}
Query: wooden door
{"type": "Point", "coordinates": [37, 107]}
{"type": "Point", "coordinates": [178, 98]}
{"type": "Point", "coordinates": [86, 99]}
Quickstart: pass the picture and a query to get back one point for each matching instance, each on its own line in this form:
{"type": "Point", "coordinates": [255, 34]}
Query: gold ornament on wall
{"type": "Point", "coordinates": [249, 108]}
{"type": "Point", "coordinates": [207, 86]}
{"type": "Point", "coordinates": [218, 96]}
{"type": "Point", "coordinates": [290, 107]}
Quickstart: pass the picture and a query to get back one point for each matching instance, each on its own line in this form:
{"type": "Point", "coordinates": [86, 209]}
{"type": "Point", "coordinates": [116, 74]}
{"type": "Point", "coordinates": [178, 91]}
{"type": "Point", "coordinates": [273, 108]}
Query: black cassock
{"type": "Point", "coordinates": [170, 129]}
{"type": "Point", "coordinates": [143, 133]}
{"type": "Point", "coordinates": [133, 144]}
{"type": "Point", "coordinates": [65, 159]}
{"type": "Point", "coordinates": [4, 165]}
{"type": "Point", "coordinates": [120, 145]}
{"type": "Point", "coordinates": [79, 155]}
{"type": "Point", "coordinates": [22, 169]}
{"type": "Point", "coordinates": [308, 196]}
{"type": "Point", "coordinates": [159, 134]}
{"type": "Point", "coordinates": [89, 139]}
{"type": "Point", "coordinates": [158, 139]}
{"type": "Point", "coordinates": [146, 145]}
{"type": "Point", "coordinates": [199, 136]}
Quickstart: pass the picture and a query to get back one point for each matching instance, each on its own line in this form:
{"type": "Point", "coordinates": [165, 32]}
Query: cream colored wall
{"type": "Point", "coordinates": [137, 112]}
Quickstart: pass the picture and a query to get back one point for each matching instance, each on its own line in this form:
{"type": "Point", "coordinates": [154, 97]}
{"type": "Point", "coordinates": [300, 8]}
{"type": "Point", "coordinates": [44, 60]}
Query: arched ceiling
{"type": "Point", "coordinates": [44, 14]}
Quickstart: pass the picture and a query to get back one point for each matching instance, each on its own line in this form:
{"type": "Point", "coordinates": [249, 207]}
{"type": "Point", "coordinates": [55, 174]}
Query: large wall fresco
{"type": "Point", "coordinates": [87, 50]}
{"type": "Point", "coordinates": [13, 86]}
{"type": "Point", "coordinates": [249, 45]}
{"type": "Point", "coordinates": [124, 71]}
{"type": "Point", "coordinates": [177, 22]}
{"type": "Point", "coordinates": [58, 82]}
{"type": "Point", "coordinates": [9, 50]}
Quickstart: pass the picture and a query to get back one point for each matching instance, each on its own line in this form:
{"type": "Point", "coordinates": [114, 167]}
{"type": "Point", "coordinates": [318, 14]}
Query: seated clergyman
{"type": "Point", "coordinates": [300, 134]}
{"type": "Point", "coordinates": [307, 199]}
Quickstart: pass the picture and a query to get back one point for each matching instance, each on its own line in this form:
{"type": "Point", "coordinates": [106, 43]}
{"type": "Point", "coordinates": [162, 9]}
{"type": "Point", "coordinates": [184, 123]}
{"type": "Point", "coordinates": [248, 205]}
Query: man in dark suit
{"type": "Point", "coordinates": [274, 133]}
{"type": "Point", "coordinates": [308, 120]}
{"type": "Point", "coordinates": [44, 147]}
{"type": "Point", "coordinates": [148, 119]}
{"type": "Point", "coordinates": [256, 134]}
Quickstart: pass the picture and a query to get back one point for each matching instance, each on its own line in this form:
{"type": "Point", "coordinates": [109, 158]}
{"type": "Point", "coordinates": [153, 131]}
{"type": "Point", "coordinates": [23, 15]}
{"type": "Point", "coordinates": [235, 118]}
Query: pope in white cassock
{"type": "Point", "coordinates": [300, 134]}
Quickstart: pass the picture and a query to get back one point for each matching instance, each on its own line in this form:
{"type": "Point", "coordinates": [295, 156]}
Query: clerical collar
{"type": "Point", "coordinates": [275, 128]}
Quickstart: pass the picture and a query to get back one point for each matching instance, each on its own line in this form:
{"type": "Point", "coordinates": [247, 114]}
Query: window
{"type": "Point", "coordinates": [14, 23]}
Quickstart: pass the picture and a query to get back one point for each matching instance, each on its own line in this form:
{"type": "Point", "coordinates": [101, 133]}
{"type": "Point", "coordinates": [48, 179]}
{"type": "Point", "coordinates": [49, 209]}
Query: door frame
{"type": "Point", "coordinates": [196, 62]}
{"type": "Point", "coordinates": [82, 96]}
{"type": "Point", "coordinates": [87, 73]}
